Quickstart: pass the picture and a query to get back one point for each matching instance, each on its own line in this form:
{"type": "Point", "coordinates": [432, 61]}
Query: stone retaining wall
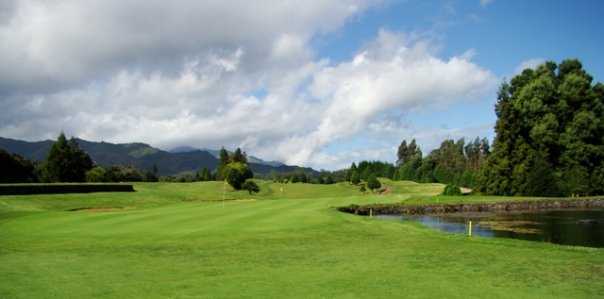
{"type": "Point", "coordinates": [532, 205]}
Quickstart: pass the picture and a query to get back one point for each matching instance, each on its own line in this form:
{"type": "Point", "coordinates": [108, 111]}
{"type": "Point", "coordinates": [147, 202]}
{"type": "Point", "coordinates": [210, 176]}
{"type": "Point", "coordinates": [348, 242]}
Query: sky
{"type": "Point", "coordinates": [313, 83]}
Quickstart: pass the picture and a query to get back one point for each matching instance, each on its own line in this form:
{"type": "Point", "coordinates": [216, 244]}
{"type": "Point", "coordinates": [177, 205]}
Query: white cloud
{"type": "Point", "coordinates": [208, 74]}
{"type": "Point", "coordinates": [391, 73]}
{"type": "Point", "coordinates": [50, 44]}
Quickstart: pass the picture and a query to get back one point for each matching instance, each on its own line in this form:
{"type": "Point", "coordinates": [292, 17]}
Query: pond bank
{"type": "Point", "coordinates": [504, 206]}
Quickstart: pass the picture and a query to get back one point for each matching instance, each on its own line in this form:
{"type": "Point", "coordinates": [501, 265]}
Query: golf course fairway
{"type": "Point", "coordinates": [182, 240]}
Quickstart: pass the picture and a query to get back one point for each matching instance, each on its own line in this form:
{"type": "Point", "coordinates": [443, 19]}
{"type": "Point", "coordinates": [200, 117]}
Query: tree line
{"type": "Point", "coordinates": [454, 162]}
{"type": "Point", "coordinates": [67, 162]}
{"type": "Point", "coordinates": [549, 140]}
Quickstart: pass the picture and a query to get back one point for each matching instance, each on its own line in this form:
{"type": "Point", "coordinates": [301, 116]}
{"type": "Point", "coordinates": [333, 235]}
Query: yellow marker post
{"type": "Point", "coordinates": [470, 228]}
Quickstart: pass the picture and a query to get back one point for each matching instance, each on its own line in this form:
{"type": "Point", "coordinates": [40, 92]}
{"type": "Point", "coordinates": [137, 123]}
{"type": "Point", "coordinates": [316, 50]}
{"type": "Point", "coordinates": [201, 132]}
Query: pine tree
{"type": "Point", "coordinates": [66, 162]}
{"type": "Point", "coordinates": [224, 160]}
{"type": "Point", "coordinates": [401, 154]}
{"type": "Point", "coordinates": [238, 156]}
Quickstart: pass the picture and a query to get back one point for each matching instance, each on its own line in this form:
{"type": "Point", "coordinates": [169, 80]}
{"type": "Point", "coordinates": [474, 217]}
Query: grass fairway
{"type": "Point", "coordinates": [181, 241]}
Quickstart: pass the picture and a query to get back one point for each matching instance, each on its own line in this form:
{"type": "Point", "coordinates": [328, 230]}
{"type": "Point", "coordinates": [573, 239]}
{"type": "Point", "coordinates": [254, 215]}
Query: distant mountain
{"type": "Point", "coordinates": [216, 154]}
{"type": "Point", "coordinates": [143, 156]}
{"type": "Point", "coordinates": [183, 149]}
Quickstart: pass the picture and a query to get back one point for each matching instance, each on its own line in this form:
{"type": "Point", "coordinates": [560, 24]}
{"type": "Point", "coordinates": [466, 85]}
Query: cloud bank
{"type": "Point", "coordinates": [214, 73]}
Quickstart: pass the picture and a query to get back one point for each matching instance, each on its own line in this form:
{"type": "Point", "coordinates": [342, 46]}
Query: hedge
{"type": "Point", "coordinates": [21, 189]}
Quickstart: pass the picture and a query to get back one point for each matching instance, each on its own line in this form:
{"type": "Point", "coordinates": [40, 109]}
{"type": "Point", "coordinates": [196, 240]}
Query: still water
{"type": "Point", "coordinates": [568, 227]}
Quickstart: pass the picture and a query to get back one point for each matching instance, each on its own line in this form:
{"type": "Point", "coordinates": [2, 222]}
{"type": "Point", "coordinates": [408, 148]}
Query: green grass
{"type": "Point", "coordinates": [180, 240]}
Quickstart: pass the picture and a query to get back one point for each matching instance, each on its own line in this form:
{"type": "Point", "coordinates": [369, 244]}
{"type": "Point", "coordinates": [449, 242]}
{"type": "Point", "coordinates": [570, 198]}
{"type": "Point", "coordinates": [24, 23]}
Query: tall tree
{"type": "Point", "coordinates": [224, 159]}
{"type": "Point", "coordinates": [407, 152]}
{"type": "Point", "coordinates": [550, 118]}
{"type": "Point", "coordinates": [66, 162]}
{"type": "Point", "coordinates": [401, 154]}
{"type": "Point", "coordinates": [15, 169]}
{"type": "Point", "coordinates": [238, 156]}
{"type": "Point", "coordinates": [351, 170]}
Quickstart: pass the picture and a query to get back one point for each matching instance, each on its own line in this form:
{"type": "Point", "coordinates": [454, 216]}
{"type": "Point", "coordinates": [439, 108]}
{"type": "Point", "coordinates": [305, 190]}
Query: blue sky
{"type": "Point", "coordinates": [503, 34]}
{"type": "Point", "coordinates": [315, 83]}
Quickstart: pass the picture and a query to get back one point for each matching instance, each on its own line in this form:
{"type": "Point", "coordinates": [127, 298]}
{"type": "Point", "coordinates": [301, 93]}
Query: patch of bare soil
{"type": "Point", "coordinates": [385, 191]}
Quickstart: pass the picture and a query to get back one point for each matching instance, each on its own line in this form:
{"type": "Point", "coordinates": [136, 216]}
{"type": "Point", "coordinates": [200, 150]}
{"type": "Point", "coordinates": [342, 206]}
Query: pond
{"type": "Point", "coordinates": [568, 227]}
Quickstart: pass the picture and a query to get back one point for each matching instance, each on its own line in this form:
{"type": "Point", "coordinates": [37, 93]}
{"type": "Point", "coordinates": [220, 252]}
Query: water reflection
{"type": "Point", "coordinates": [569, 227]}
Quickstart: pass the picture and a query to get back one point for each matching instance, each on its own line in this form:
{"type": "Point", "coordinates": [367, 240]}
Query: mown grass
{"type": "Point", "coordinates": [171, 240]}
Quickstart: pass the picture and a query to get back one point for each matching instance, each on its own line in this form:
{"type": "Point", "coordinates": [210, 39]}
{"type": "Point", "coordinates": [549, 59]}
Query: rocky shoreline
{"type": "Point", "coordinates": [504, 206]}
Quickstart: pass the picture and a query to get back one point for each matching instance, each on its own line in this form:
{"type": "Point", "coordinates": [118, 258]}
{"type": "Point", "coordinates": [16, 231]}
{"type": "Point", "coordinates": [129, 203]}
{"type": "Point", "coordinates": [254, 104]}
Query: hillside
{"type": "Point", "coordinates": [142, 156]}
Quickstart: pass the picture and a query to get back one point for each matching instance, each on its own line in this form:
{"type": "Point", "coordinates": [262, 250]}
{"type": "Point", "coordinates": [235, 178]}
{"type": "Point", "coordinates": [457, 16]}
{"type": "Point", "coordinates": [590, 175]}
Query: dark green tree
{"type": "Point", "coordinates": [224, 159]}
{"type": "Point", "coordinates": [373, 183]}
{"type": "Point", "coordinates": [355, 178]}
{"type": "Point", "coordinates": [66, 162]}
{"type": "Point", "coordinates": [401, 153]}
{"type": "Point", "coordinates": [548, 133]}
{"type": "Point", "coordinates": [238, 156]}
{"type": "Point", "coordinates": [16, 169]}
{"type": "Point", "coordinates": [352, 169]}
{"type": "Point", "coordinates": [407, 152]}
{"type": "Point", "coordinates": [409, 169]}
{"type": "Point", "coordinates": [236, 173]}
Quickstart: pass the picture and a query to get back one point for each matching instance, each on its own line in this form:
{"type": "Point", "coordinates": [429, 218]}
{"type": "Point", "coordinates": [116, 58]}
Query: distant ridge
{"type": "Point", "coordinates": [144, 156]}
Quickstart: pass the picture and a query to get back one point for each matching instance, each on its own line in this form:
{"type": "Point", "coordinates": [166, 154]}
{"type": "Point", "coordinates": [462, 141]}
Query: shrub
{"type": "Point", "coordinates": [96, 175]}
{"type": "Point", "coordinates": [237, 173]}
{"type": "Point", "coordinates": [373, 183]}
{"type": "Point", "coordinates": [452, 190]}
{"type": "Point", "coordinates": [250, 186]}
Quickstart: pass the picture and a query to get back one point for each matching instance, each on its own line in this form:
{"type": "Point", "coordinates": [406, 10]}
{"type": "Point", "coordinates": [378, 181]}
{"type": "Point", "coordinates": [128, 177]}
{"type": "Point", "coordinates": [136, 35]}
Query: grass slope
{"type": "Point", "coordinates": [181, 241]}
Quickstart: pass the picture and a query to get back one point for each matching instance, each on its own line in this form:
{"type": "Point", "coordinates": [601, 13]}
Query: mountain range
{"type": "Point", "coordinates": [144, 156]}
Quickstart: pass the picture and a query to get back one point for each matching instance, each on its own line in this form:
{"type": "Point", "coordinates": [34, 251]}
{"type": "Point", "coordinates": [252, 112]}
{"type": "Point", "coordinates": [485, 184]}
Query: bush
{"type": "Point", "coordinates": [96, 175]}
{"type": "Point", "coordinates": [237, 173]}
{"type": "Point", "coordinates": [452, 190]}
{"type": "Point", "coordinates": [250, 186]}
{"type": "Point", "coordinates": [373, 183]}
{"type": "Point", "coordinates": [119, 173]}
